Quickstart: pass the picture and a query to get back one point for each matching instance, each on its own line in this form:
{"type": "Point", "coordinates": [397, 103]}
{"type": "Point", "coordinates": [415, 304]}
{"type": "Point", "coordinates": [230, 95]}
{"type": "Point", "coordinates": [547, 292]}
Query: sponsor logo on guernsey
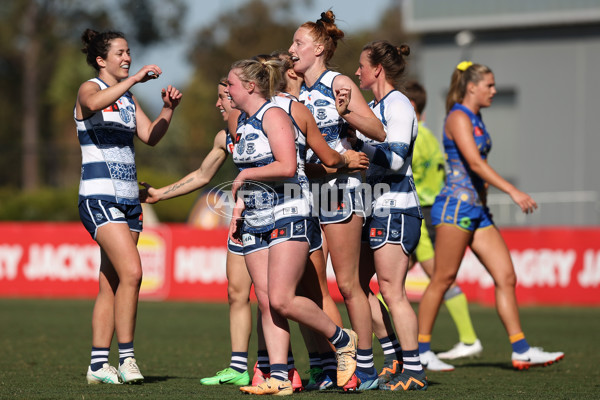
{"type": "Point", "coordinates": [478, 131]}
{"type": "Point", "coordinates": [248, 239]}
{"type": "Point", "coordinates": [389, 203]}
{"type": "Point", "coordinates": [290, 211]}
{"type": "Point", "coordinates": [116, 213]}
{"type": "Point", "coordinates": [252, 136]}
{"type": "Point", "coordinates": [465, 222]}
{"type": "Point", "coordinates": [112, 108]}
{"type": "Point", "coordinates": [376, 232]}
{"type": "Point", "coordinates": [280, 232]}
{"type": "Point", "coordinates": [322, 103]}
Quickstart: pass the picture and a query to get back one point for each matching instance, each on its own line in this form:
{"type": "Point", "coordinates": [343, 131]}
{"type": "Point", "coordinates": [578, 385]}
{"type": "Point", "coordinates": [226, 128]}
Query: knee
{"type": "Point", "coordinates": [131, 277]}
{"type": "Point", "coordinates": [281, 304]}
{"type": "Point", "coordinates": [391, 295]}
{"type": "Point", "coordinates": [347, 288]}
{"type": "Point", "coordinates": [236, 295]}
{"type": "Point", "coordinates": [508, 279]}
{"type": "Point", "coordinates": [443, 279]}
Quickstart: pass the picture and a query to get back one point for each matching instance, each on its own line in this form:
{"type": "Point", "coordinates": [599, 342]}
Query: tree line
{"type": "Point", "coordinates": [41, 68]}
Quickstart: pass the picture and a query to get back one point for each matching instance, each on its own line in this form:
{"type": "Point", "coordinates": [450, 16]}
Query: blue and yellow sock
{"type": "Point", "coordinates": [424, 343]}
{"type": "Point", "coordinates": [519, 343]}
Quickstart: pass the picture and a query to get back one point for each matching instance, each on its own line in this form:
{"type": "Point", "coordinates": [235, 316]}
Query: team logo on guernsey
{"type": "Point", "coordinates": [376, 232]}
{"type": "Point", "coordinates": [280, 232]}
{"type": "Point", "coordinates": [321, 114]}
{"type": "Point", "coordinates": [125, 116]}
{"type": "Point", "coordinates": [241, 146]}
{"type": "Point", "coordinates": [478, 131]}
{"type": "Point", "coordinates": [250, 148]}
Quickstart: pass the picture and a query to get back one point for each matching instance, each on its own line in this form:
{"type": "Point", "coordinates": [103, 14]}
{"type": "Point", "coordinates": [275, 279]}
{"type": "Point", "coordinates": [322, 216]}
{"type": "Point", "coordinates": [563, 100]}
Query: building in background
{"type": "Point", "coordinates": [545, 119]}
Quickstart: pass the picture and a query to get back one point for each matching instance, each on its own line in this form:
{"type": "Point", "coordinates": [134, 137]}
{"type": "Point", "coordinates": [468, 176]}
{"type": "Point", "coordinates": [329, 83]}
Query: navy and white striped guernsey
{"type": "Point", "coordinates": [108, 169]}
{"type": "Point", "coordinates": [391, 160]}
{"type": "Point", "coordinates": [267, 202]}
{"type": "Point", "coordinates": [320, 100]}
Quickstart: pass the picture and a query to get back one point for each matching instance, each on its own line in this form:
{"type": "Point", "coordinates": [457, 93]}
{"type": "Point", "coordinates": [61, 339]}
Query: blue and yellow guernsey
{"type": "Point", "coordinates": [461, 182]}
{"type": "Point", "coordinates": [267, 203]}
{"type": "Point", "coordinates": [320, 100]}
{"type": "Point", "coordinates": [390, 171]}
{"type": "Point", "coordinates": [108, 158]}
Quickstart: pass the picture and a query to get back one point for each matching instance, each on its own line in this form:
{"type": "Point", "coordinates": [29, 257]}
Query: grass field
{"type": "Point", "coordinates": [45, 348]}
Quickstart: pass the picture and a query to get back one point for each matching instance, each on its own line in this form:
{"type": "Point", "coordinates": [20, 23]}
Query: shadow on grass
{"type": "Point", "coordinates": [154, 379]}
{"type": "Point", "coordinates": [498, 365]}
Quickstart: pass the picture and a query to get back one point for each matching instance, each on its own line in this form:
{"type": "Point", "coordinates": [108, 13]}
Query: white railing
{"type": "Point", "coordinates": [555, 208]}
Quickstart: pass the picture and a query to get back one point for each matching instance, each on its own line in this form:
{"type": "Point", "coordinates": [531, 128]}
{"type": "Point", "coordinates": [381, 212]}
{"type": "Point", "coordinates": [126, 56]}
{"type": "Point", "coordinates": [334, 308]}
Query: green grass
{"type": "Point", "coordinates": [45, 348]}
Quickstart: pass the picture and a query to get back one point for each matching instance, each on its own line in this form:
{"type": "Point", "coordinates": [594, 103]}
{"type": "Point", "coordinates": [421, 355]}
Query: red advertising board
{"type": "Point", "coordinates": [553, 265]}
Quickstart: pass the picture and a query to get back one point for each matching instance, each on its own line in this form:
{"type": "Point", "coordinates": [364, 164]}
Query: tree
{"type": "Point", "coordinates": [33, 32]}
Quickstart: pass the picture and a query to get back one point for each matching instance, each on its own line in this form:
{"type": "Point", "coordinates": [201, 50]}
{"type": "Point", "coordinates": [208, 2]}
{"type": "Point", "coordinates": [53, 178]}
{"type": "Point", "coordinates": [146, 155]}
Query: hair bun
{"type": "Point", "coordinates": [325, 18]}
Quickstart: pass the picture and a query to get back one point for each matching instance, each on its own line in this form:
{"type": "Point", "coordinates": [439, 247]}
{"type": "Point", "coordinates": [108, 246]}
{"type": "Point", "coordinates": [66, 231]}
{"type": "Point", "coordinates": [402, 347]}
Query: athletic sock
{"type": "Point", "coordinates": [290, 360]}
{"type": "Point", "coordinates": [314, 360]}
{"type": "Point", "coordinates": [424, 344]}
{"type": "Point", "coordinates": [99, 357]}
{"type": "Point", "coordinates": [339, 338]}
{"type": "Point", "coordinates": [390, 353]}
{"type": "Point", "coordinates": [279, 371]}
{"type": "Point", "coordinates": [364, 361]}
{"type": "Point", "coordinates": [239, 361]}
{"type": "Point", "coordinates": [411, 360]}
{"type": "Point", "coordinates": [329, 364]}
{"type": "Point", "coordinates": [125, 351]}
{"type": "Point", "coordinates": [263, 361]}
{"type": "Point", "coordinates": [519, 343]}
{"type": "Point", "coordinates": [456, 303]}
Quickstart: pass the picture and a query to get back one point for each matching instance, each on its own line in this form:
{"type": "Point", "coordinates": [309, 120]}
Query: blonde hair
{"type": "Point", "coordinates": [264, 72]}
{"type": "Point", "coordinates": [325, 32]}
{"type": "Point", "coordinates": [459, 80]}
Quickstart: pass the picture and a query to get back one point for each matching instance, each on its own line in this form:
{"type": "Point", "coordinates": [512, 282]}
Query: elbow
{"type": "Point", "coordinates": [289, 171]}
{"type": "Point", "coordinates": [380, 135]}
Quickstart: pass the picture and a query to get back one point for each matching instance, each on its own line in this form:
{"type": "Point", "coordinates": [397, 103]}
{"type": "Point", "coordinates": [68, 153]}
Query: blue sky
{"type": "Point", "coordinates": [170, 57]}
